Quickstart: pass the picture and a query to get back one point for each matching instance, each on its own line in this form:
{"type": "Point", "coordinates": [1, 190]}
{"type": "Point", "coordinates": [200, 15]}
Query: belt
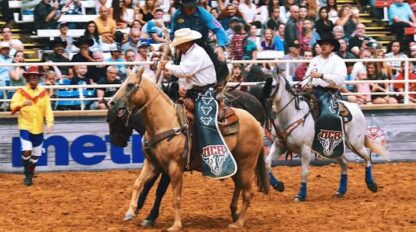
{"type": "Point", "coordinates": [203, 88]}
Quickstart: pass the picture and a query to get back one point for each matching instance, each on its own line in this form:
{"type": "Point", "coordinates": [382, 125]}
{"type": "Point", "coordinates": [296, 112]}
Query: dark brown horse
{"type": "Point", "coordinates": [139, 94]}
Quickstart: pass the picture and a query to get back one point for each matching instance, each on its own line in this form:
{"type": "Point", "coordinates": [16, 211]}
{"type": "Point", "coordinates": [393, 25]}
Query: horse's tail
{"type": "Point", "coordinates": [261, 174]}
{"type": "Point", "coordinates": [373, 147]}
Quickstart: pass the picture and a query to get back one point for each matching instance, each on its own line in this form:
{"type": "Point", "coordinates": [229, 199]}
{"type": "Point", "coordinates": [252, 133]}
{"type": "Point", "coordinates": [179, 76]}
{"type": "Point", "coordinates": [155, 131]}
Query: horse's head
{"type": "Point", "coordinates": [121, 117]}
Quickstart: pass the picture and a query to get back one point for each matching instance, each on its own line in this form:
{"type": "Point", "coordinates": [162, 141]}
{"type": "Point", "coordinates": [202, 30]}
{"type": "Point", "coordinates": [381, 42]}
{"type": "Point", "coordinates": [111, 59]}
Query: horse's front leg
{"type": "Point", "coordinates": [176, 178]}
{"type": "Point", "coordinates": [148, 172]}
{"type": "Point", "coordinates": [343, 182]}
{"type": "Point", "coordinates": [275, 151]}
{"type": "Point", "coordinates": [306, 158]}
{"type": "Point", "coordinates": [160, 192]}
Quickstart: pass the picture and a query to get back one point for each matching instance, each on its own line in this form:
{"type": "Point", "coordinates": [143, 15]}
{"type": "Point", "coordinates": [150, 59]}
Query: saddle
{"type": "Point", "coordinates": [315, 108]}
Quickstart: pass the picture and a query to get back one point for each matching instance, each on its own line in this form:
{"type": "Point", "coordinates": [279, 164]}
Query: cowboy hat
{"type": "Point", "coordinates": [185, 35]}
{"type": "Point", "coordinates": [84, 40]}
{"type": "Point", "coordinates": [329, 40]}
{"type": "Point", "coordinates": [56, 41]}
{"type": "Point", "coordinates": [4, 44]}
{"type": "Point", "coordinates": [143, 43]}
{"type": "Point", "coordinates": [32, 70]}
{"type": "Point", "coordinates": [189, 3]}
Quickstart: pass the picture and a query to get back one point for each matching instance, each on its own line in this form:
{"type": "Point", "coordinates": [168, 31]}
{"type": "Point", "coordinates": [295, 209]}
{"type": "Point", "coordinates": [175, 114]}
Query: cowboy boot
{"type": "Point", "coordinates": [26, 161]}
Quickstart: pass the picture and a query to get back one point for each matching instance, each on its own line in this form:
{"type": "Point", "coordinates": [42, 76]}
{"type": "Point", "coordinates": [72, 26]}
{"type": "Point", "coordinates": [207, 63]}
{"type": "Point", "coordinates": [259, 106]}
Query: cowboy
{"type": "Point", "coordinates": [198, 72]}
{"type": "Point", "coordinates": [328, 72]}
{"type": "Point", "coordinates": [58, 56]}
{"type": "Point", "coordinates": [33, 104]}
{"type": "Point", "coordinates": [192, 16]}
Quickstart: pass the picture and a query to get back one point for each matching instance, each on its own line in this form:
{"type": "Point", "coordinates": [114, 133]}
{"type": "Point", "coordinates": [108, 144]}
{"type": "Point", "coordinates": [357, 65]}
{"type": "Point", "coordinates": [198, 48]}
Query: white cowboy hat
{"type": "Point", "coordinates": [185, 35]}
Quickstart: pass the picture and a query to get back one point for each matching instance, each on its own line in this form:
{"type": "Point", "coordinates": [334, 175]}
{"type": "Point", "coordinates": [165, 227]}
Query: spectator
{"type": "Point", "coordinates": [355, 43]}
{"type": "Point", "coordinates": [106, 3]}
{"type": "Point", "coordinates": [332, 8]}
{"type": "Point", "coordinates": [375, 74]}
{"type": "Point", "coordinates": [97, 71]}
{"type": "Point", "coordinates": [92, 32]}
{"type": "Point", "coordinates": [324, 26]}
{"type": "Point", "coordinates": [310, 37]}
{"type": "Point", "coordinates": [348, 19]}
{"type": "Point", "coordinates": [363, 88]}
{"type": "Point", "coordinates": [130, 56]}
{"type": "Point", "coordinates": [301, 69]}
{"type": "Point", "coordinates": [63, 34]}
{"type": "Point", "coordinates": [293, 28]}
{"type": "Point", "coordinates": [303, 14]}
{"type": "Point", "coordinates": [267, 42]}
{"type": "Point", "coordinates": [237, 73]}
{"type": "Point", "coordinates": [80, 77]}
{"type": "Point", "coordinates": [316, 50]}
{"type": "Point", "coordinates": [134, 38]}
{"type": "Point", "coordinates": [46, 16]}
{"type": "Point", "coordinates": [16, 72]}
{"type": "Point", "coordinates": [343, 52]}
{"type": "Point", "coordinates": [412, 54]}
{"type": "Point", "coordinates": [15, 44]}
{"type": "Point", "coordinates": [154, 27]}
{"type": "Point", "coordinates": [31, 120]}
{"type": "Point", "coordinates": [383, 67]}
{"type": "Point", "coordinates": [399, 87]}
{"type": "Point", "coordinates": [70, 7]}
{"type": "Point", "coordinates": [116, 56]}
{"type": "Point", "coordinates": [400, 17]}
{"type": "Point", "coordinates": [145, 13]}
{"type": "Point", "coordinates": [394, 51]}
{"type": "Point", "coordinates": [262, 11]}
{"type": "Point", "coordinates": [312, 7]}
{"type": "Point", "coordinates": [111, 78]}
{"type": "Point", "coordinates": [50, 80]}
{"type": "Point", "coordinates": [84, 54]}
{"type": "Point", "coordinates": [254, 36]}
{"type": "Point", "coordinates": [106, 28]}
{"type": "Point", "coordinates": [136, 25]}
{"type": "Point", "coordinates": [274, 21]}
{"type": "Point", "coordinates": [285, 10]}
{"type": "Point", "coordinates": [58, 56]}
{"type": "Point", "coordinates": [250, 47]}
{"type": "Point", "coordinates": [127, 14]}
{"type": "Point", "coordinates": [364, 54]}
{"type": "Point", "coordinates": [294, 54]}
{"type": "Point", "coordinates": [4, 59]}
{"type": "Point", "coordinates": [228, 14]}
{"type": "Point", "coordinates": [236, 48]}
{"type": "Point", "coordinates": [338, 33]}
{"type": "Point", "coordinates": [249, 10]}
{"type": "Point", "coordinates": [279, 38]}
{"type": "Point", "coordinates": [230, 31]}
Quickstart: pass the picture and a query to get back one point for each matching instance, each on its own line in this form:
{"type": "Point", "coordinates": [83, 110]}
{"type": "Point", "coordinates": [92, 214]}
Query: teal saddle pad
{"type": "Point", "coordinates": [217, 162]}
{"type": "Point", "coordinates": [329, 134]}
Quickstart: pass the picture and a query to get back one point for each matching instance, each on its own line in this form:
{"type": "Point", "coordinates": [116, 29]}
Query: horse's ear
{"type": "Point", "coordinates": [139, 72]}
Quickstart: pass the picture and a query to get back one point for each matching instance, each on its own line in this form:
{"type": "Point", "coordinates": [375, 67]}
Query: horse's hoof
{"type": "Point", "coordinates": [129, 216]}
{"type": "Point", "coordinates": [147, 223]}
{"type": "Point", "coordinates": [235, 216]}
{"type": "Point", "coordinates": [280, 186]}
{"type": "Point", "coordinates": [174, 228]}
{"type": "Point", "coordinates": [338, 194]}
{"type": "Point", "coordinates": [235, 225]}
{"type": "Point", "coordinates": [373, 187]}
{"type": "Point", "coordinates": [299, 199]}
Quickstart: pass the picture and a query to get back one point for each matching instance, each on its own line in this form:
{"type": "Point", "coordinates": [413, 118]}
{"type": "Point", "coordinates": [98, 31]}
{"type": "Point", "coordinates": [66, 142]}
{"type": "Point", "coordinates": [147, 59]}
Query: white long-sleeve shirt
{"type": "Point", "coordinates": [333, 69]}
{"type": "Point", "coordinates": [195, 67]}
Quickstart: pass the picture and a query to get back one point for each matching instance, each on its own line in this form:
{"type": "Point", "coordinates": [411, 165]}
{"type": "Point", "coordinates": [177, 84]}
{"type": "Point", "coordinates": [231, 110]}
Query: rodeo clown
{"type": "Point", "coordinates": [33, 104]}
{"type": "Point", "coordinates": [328, 72]}
{"type": "Point", "coordinates": [197, 71]}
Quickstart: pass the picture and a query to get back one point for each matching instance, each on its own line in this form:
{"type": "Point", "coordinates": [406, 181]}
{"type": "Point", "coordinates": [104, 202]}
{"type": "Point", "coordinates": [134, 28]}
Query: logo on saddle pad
{"type": "Point", "coordinates": [329, 139]}
{"type": "Point", "coordinates": [214, 156]}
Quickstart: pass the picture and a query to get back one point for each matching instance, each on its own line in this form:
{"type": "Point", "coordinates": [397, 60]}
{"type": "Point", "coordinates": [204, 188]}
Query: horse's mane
{"type": "Point", "coordinates": [166, 97]}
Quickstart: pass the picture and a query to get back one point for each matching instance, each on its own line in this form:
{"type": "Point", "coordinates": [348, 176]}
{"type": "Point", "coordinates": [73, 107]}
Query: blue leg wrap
{"type": "Point", "coordinates": [343, 184]}
{"type": "Point", "coordinates": [273, 181]}
{"type": "Point", "coordinates": [368, 175]}
{"type": "Point", "coordinates": [302, 192]}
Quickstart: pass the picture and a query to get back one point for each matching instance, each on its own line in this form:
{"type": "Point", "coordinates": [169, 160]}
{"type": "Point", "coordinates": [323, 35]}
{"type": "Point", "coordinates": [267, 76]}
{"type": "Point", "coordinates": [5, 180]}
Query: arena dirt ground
{"type": "Point", "coordinates": [97, 201]}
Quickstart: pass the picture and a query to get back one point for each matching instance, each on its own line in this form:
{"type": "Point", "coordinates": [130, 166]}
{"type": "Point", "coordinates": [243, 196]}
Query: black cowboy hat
{"type": "Point", "coordinates": [189, 3]}
{"type": "Point", "coordinates": [330, 40]}
{"type": "Point", "coordinates": [84, 40]}
{"type": "Point", "coordinates": [57, 40]}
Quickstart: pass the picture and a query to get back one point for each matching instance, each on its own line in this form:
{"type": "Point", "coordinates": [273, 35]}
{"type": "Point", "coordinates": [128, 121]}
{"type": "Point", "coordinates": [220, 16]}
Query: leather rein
{"type": "Point", "coordinates": [282, 135]}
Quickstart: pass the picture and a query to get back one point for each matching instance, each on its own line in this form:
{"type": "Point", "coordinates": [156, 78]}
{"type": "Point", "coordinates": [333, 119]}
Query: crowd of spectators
{"type": "Point", "coordinates": [131, 30]}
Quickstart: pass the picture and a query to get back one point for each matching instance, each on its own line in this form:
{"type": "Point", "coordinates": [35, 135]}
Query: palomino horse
{"type": "Point", "coordinates": [297, 130]}
{"type": "Point", "coordinates": [138, 94]}
{"type": "Point", "coordinates": [121, 127]}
